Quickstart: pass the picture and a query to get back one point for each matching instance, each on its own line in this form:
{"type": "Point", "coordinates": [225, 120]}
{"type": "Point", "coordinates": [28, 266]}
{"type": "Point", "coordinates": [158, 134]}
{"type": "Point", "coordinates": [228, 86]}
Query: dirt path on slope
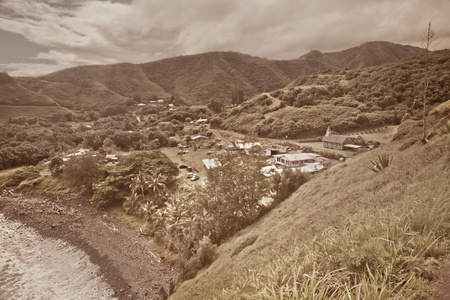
{"type": "Point", "coordinates": [126, 259]}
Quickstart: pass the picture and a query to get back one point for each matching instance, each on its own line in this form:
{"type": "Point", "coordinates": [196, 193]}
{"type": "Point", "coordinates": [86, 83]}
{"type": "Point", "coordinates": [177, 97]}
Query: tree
{"type": "Point", "coordinates": [232, 197]}
{"type": "Point", "coordinates": [82, 171]}
{"type": "Point", "coordinates": [429, 42]}
{"type": "Point", "coordinates": [237, 96]}
{"type": "Point", "coordinates": [116, 185]}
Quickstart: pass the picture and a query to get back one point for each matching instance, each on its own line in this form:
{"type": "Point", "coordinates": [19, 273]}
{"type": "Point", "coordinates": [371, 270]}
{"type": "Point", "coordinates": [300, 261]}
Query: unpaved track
{"type": "Point", "coordinates": [126, 260]}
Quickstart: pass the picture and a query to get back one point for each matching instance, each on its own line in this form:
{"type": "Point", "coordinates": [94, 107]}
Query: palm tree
{"type": "Point", "coordinates": [158, 189]}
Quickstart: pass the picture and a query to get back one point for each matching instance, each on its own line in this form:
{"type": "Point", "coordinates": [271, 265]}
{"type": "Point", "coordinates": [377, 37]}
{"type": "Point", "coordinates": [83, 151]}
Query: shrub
{"type": "Point", "coordinates": [384, 160]}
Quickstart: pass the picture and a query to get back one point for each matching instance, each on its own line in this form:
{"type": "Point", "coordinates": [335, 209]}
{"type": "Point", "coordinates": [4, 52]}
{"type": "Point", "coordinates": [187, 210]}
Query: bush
{"type": "Point", "coordinates": [384, 160]}
{"type": "Point", "coordinates": [204, 256]}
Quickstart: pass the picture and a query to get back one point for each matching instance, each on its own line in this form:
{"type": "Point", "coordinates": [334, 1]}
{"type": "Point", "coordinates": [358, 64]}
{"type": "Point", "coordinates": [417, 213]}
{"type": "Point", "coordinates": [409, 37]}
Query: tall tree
{"type": "Point", "coordinates": [237, 96]}
{"type": "Point", "coordinates": [82, 171]}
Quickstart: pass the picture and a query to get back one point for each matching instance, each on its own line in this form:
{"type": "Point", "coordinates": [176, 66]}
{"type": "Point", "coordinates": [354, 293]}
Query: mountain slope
{"type": "Point", "coordinates": [325, 230]}
{"type": "Point", "coordinates": [12, 93]}
{"type": "Point", "coordinates": [343, 99]}
{"type": "Point", "coordinates": [197, 79]}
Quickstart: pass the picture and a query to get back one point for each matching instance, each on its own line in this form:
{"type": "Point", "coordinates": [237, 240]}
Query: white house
{"type": "Point", "coordinates": [199, 137]}
{"type": "Point", "coordinates": [295, 160]}
{"type": "Point", "coordinates": [211, 163]}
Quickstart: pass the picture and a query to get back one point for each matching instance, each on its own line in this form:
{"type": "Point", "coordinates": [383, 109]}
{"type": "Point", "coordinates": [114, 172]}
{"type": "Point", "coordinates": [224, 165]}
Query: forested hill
{"type": "Point", "coordinates": [197, 79]}
{"type": "Point", "coordinates": [344, 99]}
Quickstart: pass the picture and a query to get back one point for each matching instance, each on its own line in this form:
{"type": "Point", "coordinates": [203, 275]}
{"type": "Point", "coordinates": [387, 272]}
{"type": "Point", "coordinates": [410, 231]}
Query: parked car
{"type": "Point", "coordinates": [195, 177]}
{"type": "Point", "coordinates": [189, 168]}
{"type": "Point", "coordinates": [190, 175]}
{"type": "Point", "coordinates": [209, 153]}
{"type": "Point", "coordinates": [183, 167]}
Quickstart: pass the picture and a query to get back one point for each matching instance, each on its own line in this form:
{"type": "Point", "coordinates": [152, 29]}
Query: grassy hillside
{"type": "Point", "coordinates": [198, 79]}
{"type": "Point", "coordinates": [347, 232]}
{"type": "Point", "coordinates": [12, 93]}
{"type": "Point", "coordinates": [40, 112]}
{"type": "Point", "coordinates": [344, 99]}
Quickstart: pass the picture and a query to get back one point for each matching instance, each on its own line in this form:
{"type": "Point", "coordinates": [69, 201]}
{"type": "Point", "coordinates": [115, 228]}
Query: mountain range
{"type": "Point", "coordinates": [193, 79]}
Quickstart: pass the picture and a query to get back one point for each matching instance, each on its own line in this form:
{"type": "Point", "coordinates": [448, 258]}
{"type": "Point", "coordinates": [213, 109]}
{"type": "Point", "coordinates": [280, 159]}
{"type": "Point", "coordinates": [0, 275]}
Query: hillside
{"type": "Point", "coordinates": [348, 231]}
{"type": "Point", "coordinates": [197, 79]}
{"type": "Point", "coordinates": [343, 99]}
{"type": "Point", "coordinates": [12, 93]}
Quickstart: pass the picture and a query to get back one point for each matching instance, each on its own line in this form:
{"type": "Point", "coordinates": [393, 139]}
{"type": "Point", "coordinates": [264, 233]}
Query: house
{"type": "Point", "coordinates": [333, 141]}
{"type": "Point", "coordinates": [311, 168]}
{"type": "Point", "coordinates": [275, 149]}
{"type": "Point", "coordinates": [295, 160]}
{"type": "Point", "coordinates": [111, 158]}
{"type": "Point", "coordinates": [199, 138]}
{"type": "Point", "coordinates": [211, 163]}
{"type": "Point", "coordinates": [233, 150]}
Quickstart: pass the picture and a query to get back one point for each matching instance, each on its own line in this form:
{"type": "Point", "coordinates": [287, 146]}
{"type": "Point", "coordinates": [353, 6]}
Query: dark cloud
{"type": "Point", "coordinates": [99, 31]}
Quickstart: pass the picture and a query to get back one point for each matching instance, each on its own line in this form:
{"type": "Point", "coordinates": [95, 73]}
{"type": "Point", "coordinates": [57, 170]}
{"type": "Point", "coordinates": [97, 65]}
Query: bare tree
{"type": "Point", "coordinates": [428, 38]}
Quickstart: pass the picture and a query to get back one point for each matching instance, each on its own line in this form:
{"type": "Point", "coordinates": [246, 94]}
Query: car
{"type": "Point", "coordinates": [195, 177]}
{"type": "Point", "coordinates": [209, 153]}
{"type": "Point", "coordinates": [189, 168]}
{"type": "Point", "coordinates": [190, 175]}
{"type": "Point", "coordinates": [183, 167]}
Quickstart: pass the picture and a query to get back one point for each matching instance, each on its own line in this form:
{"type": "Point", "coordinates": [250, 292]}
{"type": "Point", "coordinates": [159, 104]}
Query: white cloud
{"type": "Point", "coordinates": [103, 32]}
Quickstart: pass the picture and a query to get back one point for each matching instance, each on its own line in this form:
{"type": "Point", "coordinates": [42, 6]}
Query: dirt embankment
{"type": "Point", "coordinates": [126, 259]}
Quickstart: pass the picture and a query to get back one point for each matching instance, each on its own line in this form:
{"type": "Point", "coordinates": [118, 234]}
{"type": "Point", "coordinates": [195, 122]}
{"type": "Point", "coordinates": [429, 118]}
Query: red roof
{"type": "Point", "coordinates": [339, 139]}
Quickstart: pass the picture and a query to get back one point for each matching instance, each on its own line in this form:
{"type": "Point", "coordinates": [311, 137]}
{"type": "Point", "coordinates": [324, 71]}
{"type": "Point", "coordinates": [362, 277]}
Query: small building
{"type": "Point", "coordinates": [333, 141]}
{"type": "Point", "coordinates": [295, 160]}
{"type": "Point", "coordinates": [199, 138]}
{"type": "Point", "coordinates": [160, 101]}
{"type": "Point", "coordinates": [111, 158]}
{"type": "Point", "coordinates": [311, 168]}
{"type": "Point", "coordinates": [275, 149]}
{"type": "Point", "coordinates": [211, 163]}
{"type": "Point", "coordinates": [337, 142]}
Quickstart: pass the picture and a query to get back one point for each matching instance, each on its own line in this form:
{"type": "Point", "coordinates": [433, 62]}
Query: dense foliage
{"type": "Point", "coordinates": [118, 178]}
{"type": "Point", "coordinates": [345, 99]}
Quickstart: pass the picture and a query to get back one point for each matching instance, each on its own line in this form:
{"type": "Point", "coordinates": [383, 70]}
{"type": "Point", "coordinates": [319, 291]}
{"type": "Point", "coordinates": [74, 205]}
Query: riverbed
{"type": "Point", "coordinates": [33, 267]}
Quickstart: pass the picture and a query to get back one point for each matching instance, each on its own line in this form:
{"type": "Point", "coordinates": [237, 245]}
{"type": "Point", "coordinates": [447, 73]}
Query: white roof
{"type": "Point", "coordinates": [311, 168]}
{"type": "Point", "coordinates": [211, 163]}
{"type": "Point", "coordinates": [199, 137]}
{"type": "Point", "coordinates": [298, 156]}
{"type": "Point", "coordinates": [352, 146]}
{"type": "Point", "coordinates": [270, 170]}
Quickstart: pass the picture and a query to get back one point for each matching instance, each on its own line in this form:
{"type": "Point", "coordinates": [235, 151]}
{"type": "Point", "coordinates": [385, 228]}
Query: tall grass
{"type": "Point", "coordinates": [390, 252]}
{"type": "Point", "coordinates": [390, 255]}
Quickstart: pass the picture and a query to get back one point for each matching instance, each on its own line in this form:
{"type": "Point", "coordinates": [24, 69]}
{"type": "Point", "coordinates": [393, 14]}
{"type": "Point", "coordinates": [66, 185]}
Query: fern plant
{"type": "Point", "coordinates": [384, 160]}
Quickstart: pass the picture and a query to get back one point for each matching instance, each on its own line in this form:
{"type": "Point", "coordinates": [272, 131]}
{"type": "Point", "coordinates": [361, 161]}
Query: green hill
{"type": "Point", "coordinates": [198, 79]}
{"type": "Point", "coordinates": [344, 99]}
{"type": "Point", "coordinates": [348, 232]}
{"type": "Point", "coordinates": [12, 93]}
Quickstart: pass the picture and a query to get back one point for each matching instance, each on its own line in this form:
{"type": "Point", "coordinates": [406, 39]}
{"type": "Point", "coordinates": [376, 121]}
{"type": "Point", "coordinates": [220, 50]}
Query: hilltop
{"type": "Point", "coordinates": [13, 93]}
{"type": "Point", "coordinates": [349, 99]}
{"type": "Point", "coordinates": [196, 79]}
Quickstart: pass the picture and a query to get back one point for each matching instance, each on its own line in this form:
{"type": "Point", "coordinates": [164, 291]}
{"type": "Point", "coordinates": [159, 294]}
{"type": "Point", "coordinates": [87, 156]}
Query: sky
{"type": "Point", "coordinates": [38, 37]}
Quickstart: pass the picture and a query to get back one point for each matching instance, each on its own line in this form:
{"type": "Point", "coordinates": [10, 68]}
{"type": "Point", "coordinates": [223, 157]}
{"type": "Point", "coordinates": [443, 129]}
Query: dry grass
{"type": "Point", "coordinates": [346, 203]}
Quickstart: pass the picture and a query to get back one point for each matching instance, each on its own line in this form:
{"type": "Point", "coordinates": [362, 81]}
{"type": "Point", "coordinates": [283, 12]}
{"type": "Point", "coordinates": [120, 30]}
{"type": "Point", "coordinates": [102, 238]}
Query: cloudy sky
{"type": "Point", "coordinates": [41, 36]}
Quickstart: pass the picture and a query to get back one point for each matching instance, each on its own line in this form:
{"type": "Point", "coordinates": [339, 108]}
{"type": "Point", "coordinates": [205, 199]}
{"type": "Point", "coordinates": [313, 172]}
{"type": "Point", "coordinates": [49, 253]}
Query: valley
{"type": "Point", "coordinates": [211, 176]}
